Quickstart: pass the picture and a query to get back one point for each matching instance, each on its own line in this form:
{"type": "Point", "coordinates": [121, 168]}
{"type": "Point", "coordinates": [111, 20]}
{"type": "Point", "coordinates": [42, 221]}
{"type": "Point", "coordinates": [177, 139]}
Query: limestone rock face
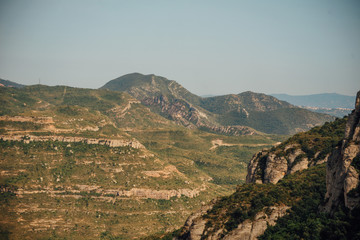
{"type": "Point", "coordinates": [297, 153]}
{"type": "Point", "coordinates": [342, 178]}
{"type": "Point", "coordinates": [268, 167]}
{"type": "Point", "coordinates": [247, 230]}
{"type": "Point", "coordinates": [250, 230]}
{"type": "Point", "coordinates": [195, 225]}
{"type": "Point", "coordinates": [102, 141]}
{"type": "Point", "coordinates": [276, 168]}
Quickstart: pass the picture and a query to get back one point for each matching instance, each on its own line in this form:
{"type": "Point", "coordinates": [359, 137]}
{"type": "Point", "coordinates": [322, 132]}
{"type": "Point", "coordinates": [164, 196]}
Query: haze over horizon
{"type": "Point", "coordinates": [209, 47]}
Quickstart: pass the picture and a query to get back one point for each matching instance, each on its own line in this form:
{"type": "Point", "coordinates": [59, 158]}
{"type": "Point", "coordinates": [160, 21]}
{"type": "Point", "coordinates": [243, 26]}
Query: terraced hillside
{"type": "Point", "coordinates": [90, 164]}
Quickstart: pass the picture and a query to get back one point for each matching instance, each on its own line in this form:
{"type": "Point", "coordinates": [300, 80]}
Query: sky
{"type": "Point", "coordinates": [213, 47]}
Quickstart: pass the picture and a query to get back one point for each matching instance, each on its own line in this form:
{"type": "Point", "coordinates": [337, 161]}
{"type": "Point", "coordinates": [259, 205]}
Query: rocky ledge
{"type": "Point", "coordinates": [271, 166]}
{"type": "Point", "coordinates": [101, 141]}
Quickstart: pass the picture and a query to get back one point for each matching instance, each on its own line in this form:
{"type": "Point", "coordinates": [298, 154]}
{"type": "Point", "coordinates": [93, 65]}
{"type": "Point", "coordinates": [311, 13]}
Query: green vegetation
{"type": "Point", "coordinates": [226, 164]}
{"type": "Point", "coordinates": [315, 145]}
{"type": "Point", "coordinates": [75, 185]}
{"type": "Point", "coordinates": [321, 139]}
{"type": "Point", "coordinates": [304, 221]}
{"type": "Point", "coordinates": [20, 125]}
{"type": "Point", "coordinates": [356, 163]}
{"type": "Point", "coordinates": [249, 199]}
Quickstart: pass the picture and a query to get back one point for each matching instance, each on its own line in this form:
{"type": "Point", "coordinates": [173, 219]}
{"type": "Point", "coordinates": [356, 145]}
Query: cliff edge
{"type": "Point", "coordinates": [343, 167]}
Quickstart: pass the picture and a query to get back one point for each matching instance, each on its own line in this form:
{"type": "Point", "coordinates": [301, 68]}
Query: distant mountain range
{"type": "Point", "coordinates": [247, 113]}
{"type": "Point", "coordinates": [323, 100]}
{"type": "Point", "coordinates": [330, 103]}
{"type": "Point", "coordinates": [235, 114]}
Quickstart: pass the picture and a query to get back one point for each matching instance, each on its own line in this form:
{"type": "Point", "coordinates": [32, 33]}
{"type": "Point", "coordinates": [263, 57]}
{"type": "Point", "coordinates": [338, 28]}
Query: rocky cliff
{"type": "Point", "coordinates": [343, 166]}
{"type": "Point", "coordinates": [101, 141]}
{"type": "Point", "coordinates": [299, 152]}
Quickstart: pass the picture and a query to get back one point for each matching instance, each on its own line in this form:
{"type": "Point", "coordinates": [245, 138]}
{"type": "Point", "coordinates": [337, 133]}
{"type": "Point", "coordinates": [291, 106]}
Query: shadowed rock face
{"type": "Point", "coordinates": [342, 178]}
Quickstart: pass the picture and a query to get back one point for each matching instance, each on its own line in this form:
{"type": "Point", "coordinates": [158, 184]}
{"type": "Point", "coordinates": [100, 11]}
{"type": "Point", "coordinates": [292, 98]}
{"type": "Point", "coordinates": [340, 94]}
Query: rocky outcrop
{"type": "Point", "coordinates": [143, 193]}
{"type": "Point", "coordinates": [271, 166]}
{"type": "Point", "coordinates": [101, 141]}
{"type": "Point", "coordinates": [342, 178]}
{"type": "Point", "coordinates": [160, 194]}
{"type": "Point", "coordinates": [186, 114]}
{"type": "Point", "coordinates": [178, 110]}
{"type": "Point", "coordinates": [195, 226]}
{"type": "Point", "coordinates": [251, 229]}
{"type": "Point", "coordinates": [297, 153]}
{"type": "Point", "coordinates": [233, 130]}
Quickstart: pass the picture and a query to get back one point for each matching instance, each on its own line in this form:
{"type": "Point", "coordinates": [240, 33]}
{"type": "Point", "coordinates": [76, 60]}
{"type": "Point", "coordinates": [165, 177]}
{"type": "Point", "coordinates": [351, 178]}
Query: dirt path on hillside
{"type": "Point", "coordinates": [218, 143]}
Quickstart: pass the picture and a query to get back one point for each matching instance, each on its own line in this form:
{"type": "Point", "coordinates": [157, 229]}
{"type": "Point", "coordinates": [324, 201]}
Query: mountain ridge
{"type": "Point", "coordinates": [253, 110]}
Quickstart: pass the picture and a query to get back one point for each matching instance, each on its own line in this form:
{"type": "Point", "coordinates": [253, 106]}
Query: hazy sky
{"type": "Point", "coordinates": [210, 47]}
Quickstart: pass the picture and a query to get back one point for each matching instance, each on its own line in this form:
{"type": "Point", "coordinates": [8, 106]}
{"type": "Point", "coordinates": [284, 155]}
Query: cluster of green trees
{"type": "Point", "coordinates": [305, 221]}
{"type": "Point", "coordinates": [249, 199]}
{"type": "Point", "coordinates": [321, 139]}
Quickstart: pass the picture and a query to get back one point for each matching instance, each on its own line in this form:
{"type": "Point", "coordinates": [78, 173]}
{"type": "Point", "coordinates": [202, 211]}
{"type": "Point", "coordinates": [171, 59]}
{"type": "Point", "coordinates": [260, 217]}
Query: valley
{"type": "Point", "coordinates": [179, 120]}
{"type": "Point", "coordinates": [135, 164]}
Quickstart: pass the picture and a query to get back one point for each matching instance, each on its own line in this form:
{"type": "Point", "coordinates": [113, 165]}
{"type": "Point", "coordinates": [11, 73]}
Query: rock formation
{"type": "Point", "coordinates": [247, 230]}
{"type": "Point", "coordinates": [342, 178]}
{"type": "Point", "coordinates": [297, 153]}
{"type": "Point", "coordinates": [271, 166]}
{"type": "Point", "coordinates": [101, 141]}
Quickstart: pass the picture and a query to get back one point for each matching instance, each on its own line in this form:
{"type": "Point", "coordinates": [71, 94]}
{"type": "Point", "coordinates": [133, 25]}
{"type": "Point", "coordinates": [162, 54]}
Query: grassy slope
{"type": "Point", "coordinates": [249, 199]}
